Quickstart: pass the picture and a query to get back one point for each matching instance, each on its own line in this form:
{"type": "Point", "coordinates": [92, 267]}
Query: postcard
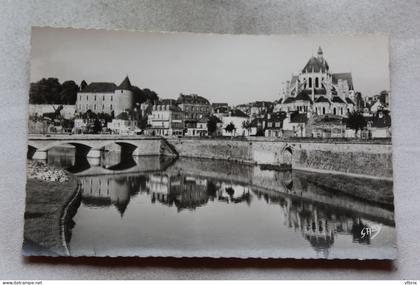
{"type": "Point", "coordinates": [209, 145]}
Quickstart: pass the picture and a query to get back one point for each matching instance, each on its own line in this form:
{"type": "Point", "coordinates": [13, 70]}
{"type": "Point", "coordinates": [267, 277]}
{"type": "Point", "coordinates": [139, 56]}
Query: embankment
{"type": "Point", "coordinates": [365, 159]}
{"type": "Point", "coordinates": [50, 207]}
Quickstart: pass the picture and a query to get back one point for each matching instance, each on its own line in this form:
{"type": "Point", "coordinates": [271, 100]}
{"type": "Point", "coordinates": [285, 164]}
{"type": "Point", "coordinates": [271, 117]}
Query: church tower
{"type": "Point", "coordinates": [320, 54]}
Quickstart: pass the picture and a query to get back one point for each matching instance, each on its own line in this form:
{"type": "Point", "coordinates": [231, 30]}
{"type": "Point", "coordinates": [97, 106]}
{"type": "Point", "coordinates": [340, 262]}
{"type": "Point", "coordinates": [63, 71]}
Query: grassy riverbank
{"type": "Point", "coordinates": [46, 210]}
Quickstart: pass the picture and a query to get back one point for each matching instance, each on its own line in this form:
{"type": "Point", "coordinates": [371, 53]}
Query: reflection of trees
{"type": "Point", "coordinates": [190, 192]}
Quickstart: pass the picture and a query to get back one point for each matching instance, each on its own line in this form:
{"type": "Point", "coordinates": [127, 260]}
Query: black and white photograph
{"type": "Point", "coordinates": [174, 144]}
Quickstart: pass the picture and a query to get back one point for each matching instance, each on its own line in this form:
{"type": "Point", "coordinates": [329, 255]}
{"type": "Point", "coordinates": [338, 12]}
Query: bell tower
{"type": "Point", "coordinates": [320, 54]}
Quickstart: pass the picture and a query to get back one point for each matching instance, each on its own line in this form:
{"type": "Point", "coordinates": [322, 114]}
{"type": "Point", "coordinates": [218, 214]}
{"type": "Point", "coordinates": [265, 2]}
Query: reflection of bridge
{"type": "Point", "coordinates": [91, 145]}
{"type": "Point", "coordinates": [145, 164]}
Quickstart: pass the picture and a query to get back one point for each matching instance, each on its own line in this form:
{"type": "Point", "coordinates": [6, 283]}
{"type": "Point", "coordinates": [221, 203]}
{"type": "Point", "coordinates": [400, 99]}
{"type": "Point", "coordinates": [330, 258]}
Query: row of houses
{"type": "Point", "coordinates": [316, 102]}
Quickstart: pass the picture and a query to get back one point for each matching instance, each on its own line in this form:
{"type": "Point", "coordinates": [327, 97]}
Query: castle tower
{"type": "Point", "coordinates": [123, 97]}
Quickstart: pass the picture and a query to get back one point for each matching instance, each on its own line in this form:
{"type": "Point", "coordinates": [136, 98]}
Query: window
{"type": "Point", "coordinates": [95, 98]}
{"type": "Point", "coordinates": [316, 82]}
{"type": "Point", "coordinates": [269, 124]}
{"type": "Point", "coordinates": [111, 97]}
{"type": "Point", "coordinates": [323, 110]}
{"type": "Point", "coordinates": [87, 97]}
{"type": "Point", "coordinates": [94, 107]}
{"type": "Point", "coordinates": [310, 82]}
{"type": "Point", "coordinates": [110, 106]}
{"type": "Point", "coordinates": [277, 124]}
{"type": "Point", "coordinates": [80, 97]}
{"type": "Point", "coordinates": [103, 107]}
{"type": "Point", "coordinates": [103, 97]}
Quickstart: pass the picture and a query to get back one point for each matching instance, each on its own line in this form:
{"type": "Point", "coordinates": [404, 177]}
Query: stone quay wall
{"type": "Point", "coordinates": [369, 159]}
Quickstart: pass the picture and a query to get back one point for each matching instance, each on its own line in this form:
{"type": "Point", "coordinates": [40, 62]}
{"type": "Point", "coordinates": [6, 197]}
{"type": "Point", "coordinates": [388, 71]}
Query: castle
{"type": "Point", "coordinates": [106, 97]}
{"type": "Point", "coordinates": [316, 89]}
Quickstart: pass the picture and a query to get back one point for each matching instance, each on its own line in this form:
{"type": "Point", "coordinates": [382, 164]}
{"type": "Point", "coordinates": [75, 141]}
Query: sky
{"type": "Point", "coordinates": [222, 68]}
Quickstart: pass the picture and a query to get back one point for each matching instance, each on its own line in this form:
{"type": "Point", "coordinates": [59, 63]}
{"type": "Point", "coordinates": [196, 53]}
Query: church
{"type": "Point", "coordinates": [317, 90]}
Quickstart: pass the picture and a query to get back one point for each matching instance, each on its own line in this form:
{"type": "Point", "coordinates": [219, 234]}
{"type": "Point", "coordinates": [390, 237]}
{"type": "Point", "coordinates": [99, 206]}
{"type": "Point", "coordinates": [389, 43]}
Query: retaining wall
{"type": "Point", "coordinates": [371, 159]}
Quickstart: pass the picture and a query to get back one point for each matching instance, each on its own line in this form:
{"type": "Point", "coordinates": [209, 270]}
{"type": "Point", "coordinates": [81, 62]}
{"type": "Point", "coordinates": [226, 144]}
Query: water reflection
{"type": "Point", "coordinates": [267, 209]}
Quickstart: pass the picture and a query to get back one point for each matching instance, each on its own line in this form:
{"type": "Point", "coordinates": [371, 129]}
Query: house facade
{"type": "Point", "coordinates": [237, 118]}
{"type": "Point", "coordinates": [200, 128]}
{"type": "Point", "coordinates": [123, 124]}
{"type": "Point", "coordinates": [274, 124]}
{"type": "Point", "coordinates": [296, 125]}
{"type": "Point", "coordinates": [166, 120]}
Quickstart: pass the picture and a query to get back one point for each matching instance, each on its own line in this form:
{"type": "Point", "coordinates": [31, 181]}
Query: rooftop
{"type": "Point", "coordinates": [298, 118]}
{"type": "Point", "coordinates": [343, 76]}
{"type": "Point", "coordinates": [125, 84]}
{"type": "Point", "coordinates": [316, 64]}
{"type": "Point", "coordinates": [192, 99]}
{"type": "Point", "coordinates": [337, 99]}
{"type": "Point", "coordinates": [238, 113]}
{"type": "Point", "coordinates": [303, 96]}
{"type": "Point", "coordinates": [322, 99]}
{"type": "Point", "coordinates": [100, 87]}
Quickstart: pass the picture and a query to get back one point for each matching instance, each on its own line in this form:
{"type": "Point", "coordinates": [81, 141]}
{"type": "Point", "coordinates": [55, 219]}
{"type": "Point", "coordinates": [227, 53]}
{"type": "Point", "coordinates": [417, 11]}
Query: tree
{"type": "Point", "coordinates": [150, 95]}
{"type": "Point", "coordinates": [68, 94]}
{"type": "Point", "coordinates": [230, 127]}
{"type": "Point", "coordinates": [230, 191]}
{"type": "Point", "coordinates": [139, 95]}
{"type": "Point", "coordinates": [97, 126]}
{"type": "Point", "coordinates": [356, 121]}
{"type": "Point", "coordinates": [260, 132]}
{"type": "Point", "coordinates": [45, 91]}
{"type": "Point", "coordinates": [246, 125]}
{"type": "Point", "coordinates": [383, 97]}
{"type": "Point", "coordinates": [212, 124]}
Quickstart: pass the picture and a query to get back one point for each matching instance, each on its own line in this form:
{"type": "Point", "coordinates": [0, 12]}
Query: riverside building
{"type": "Point", "coordinates": [106, 97]}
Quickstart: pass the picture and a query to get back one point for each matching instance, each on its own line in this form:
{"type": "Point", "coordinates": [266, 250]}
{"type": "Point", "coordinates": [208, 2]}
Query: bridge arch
{"type": "Point", "coordinates": [287, 154]}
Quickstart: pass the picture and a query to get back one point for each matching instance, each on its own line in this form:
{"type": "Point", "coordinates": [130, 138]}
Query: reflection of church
{"type": "Point", "coordinates": [317, 224]}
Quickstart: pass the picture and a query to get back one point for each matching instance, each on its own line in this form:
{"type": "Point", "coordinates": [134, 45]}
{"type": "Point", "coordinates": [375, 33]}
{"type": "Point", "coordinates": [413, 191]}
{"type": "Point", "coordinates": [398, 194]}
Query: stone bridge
{"type": "Point", "coordinates": [91, 146]}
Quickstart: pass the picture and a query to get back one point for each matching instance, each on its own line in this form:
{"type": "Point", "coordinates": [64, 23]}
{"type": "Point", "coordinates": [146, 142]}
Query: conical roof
{"type": "Point", "coordinates": [125, 85]}
{"type": "Point", "coordinates": [316, 64]}
{"type": "Point", "coordinates": [320, 51]}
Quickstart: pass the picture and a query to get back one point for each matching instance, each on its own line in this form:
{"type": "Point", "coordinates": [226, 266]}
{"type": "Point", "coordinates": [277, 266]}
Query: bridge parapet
{"type": "Point", "coordinates": [92, 145]}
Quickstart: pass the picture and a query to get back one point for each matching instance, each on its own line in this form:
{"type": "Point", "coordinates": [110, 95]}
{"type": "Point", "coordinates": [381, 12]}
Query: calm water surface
{"type": "Point", "coordinates": [190, 207]}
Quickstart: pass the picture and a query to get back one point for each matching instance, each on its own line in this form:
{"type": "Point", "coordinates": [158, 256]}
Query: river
{"type": "Point", "coordinates": [161, 206]}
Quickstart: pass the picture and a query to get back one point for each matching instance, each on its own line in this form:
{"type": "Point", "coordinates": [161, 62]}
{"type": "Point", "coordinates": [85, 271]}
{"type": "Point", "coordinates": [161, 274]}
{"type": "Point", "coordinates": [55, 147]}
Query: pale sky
{"type": "Point", "coordinates": [223, 68]}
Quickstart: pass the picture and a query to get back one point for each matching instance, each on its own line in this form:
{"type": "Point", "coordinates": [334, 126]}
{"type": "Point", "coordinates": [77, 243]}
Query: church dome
{"type": "Point", "coordinates": [316, 65]}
